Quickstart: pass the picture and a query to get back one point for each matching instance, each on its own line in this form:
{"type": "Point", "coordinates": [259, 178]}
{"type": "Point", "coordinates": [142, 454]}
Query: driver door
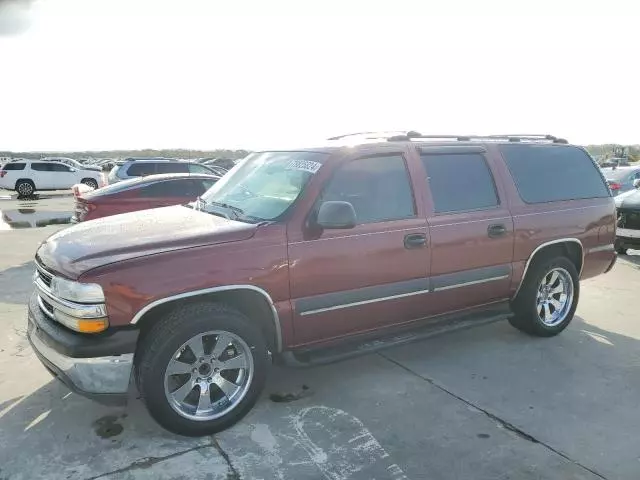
{"type": "Point", "coordinates": [369, 276]}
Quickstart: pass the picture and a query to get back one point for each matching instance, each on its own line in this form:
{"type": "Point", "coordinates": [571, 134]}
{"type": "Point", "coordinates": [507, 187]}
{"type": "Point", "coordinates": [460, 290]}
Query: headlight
{"type": "Point", "coordinates": [77, 292]}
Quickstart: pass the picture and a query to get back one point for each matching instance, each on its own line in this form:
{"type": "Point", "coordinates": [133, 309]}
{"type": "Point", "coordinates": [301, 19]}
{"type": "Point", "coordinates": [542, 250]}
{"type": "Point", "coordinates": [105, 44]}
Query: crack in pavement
{"type": "Point", "coordinates": [148, 462]}
{"type": "Point", "coordinates": [233, 473]}
{"type": "Point", "coordinates": [505, 424]}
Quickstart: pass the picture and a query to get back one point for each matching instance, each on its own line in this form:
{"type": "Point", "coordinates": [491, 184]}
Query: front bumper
{"type": "Point", "coordinates": [628, 238]}
{"type": "Point", "coordinates": [79, 361]}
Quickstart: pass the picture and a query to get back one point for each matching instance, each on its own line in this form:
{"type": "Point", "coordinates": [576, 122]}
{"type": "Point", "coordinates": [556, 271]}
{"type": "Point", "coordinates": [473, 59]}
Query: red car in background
{"type": "Point", "coordinates": [141, 193]}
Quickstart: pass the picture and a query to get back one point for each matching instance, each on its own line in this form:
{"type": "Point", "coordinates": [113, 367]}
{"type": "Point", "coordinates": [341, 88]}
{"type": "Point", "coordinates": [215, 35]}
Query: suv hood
{"type": "Point", "coordinates": [95, 243]}
{"type": "Point", "coordinates": [629, 200]}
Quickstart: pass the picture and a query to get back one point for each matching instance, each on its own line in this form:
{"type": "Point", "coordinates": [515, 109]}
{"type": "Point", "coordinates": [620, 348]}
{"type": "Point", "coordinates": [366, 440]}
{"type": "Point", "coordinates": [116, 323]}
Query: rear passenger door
{"type": "Point", "coordinates": [471, 228]}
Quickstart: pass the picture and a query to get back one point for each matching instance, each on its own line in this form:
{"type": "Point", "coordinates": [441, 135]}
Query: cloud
{"type": "Point", "coordinates": [15, 16]}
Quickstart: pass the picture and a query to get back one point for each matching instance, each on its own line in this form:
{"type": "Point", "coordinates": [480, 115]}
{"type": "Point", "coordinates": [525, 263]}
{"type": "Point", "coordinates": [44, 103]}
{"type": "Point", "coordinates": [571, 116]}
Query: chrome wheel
{"type": "Point", "coordinates": [25, 189]}
{"type": "Point", "coordinates": [555, 297]}
{"type": "Point", "coordinates": [209, 375]}
{"type": "Point", "coordinates": [91, 183]}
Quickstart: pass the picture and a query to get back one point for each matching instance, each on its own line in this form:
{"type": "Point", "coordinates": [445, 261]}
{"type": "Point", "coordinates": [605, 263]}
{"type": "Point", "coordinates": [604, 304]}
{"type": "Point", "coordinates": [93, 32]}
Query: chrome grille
{"type": "Point", "coordinates": [45, 276]}
{"type": "Point", "coordinates": [629, 219]}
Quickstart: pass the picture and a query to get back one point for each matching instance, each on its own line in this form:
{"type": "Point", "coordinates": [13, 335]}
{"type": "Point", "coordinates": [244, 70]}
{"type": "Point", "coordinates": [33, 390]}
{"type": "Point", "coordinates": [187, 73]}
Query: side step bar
{"type": "Point", "coordinates": [365, 344]}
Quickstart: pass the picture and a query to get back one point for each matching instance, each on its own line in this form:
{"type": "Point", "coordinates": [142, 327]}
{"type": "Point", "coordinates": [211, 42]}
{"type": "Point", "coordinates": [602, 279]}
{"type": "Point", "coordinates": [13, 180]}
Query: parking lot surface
{"type": "Point", "coordinates": [484, 403]}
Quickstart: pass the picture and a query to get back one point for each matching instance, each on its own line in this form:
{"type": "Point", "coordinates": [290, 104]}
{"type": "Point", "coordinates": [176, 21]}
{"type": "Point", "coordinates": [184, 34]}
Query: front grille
{"type": "Point", "coordinates": [629, 219]}
{"type": "Point", "coordinates": [47, 306]}
{"type": "Point", "coordinates": [44, 275]}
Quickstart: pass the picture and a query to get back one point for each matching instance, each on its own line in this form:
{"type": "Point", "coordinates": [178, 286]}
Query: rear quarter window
{"type": "Point", "coordinates": [14, 166]}
{"type": "Point", "coordinates": [551, 173]}
{"type": "Point", "coordinates": [141, 169]}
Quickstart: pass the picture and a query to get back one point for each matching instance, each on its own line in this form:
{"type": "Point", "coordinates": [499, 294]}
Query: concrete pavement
{"type": "Point", "coordinates": [485, 403]}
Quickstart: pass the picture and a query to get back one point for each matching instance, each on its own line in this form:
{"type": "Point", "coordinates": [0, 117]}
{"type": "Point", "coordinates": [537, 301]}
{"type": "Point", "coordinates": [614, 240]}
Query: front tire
{"type": "Point", "coordinates": [548, 297]}
{"type": "Point", "coordinates": [201, 368]}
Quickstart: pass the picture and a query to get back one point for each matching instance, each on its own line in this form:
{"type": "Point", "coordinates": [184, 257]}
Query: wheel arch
{"type": "Point", "coordinates": [253, 301]}
{"type": "Point", "coordinates": [28, 180]}
{"type": "Point", "coordinates": [571, 248]}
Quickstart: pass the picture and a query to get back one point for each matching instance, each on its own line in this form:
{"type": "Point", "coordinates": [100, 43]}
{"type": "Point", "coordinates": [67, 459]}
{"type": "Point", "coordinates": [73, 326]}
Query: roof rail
{"type": "Point", "coordinates": [380, 134]}
{"type": "Point", "coordinates": [411, 135]}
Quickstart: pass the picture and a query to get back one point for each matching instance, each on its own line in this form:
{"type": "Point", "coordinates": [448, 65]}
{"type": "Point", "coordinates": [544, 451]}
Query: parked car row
{"type": "Point", "coordinates": [28, 176]}
{"type": "Point", "coordinates": [309, 256]}
{"type": "Point", "coordinates": [58, 173]}
{"type": "Point", "coordinates": [141, 193]}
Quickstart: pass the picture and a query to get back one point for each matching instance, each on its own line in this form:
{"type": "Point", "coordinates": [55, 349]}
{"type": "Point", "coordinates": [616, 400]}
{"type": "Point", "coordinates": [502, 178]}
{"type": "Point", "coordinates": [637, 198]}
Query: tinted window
{"type": "Point", "coordinates": [172, 167]}
{"type": "Point", "coordinates": [59, 167]}
{"type": "Point", "coordinates": [378, 188]}
{"type": "Point", "coordinates": [186, 188]}
{"type": "Point", "coordinates": [141, 169]}
{"type": "Point", "coordinates": [548, 173]}
{"type": "Point", "coordinates": [14, 166]}
{"type": "Point", "coordinates": [41, 167]}
{"type": "Point", "coordinates": [460, 182]}
{"type": "Point", "coordinates": [195, 168]}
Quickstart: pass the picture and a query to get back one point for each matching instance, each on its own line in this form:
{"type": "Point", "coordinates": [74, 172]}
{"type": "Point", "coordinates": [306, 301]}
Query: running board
{"type": "Point", "coordinates": [361, 345]}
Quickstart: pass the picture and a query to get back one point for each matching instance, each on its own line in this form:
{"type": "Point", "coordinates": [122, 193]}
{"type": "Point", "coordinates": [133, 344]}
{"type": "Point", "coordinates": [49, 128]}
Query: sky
{"type": "Point", "coordinates": [205, 74]}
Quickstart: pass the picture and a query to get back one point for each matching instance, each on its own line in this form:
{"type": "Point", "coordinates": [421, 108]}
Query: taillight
{"type": "Point", "coordinates": [2, 173]}
{"type": "Point", "coordinates": [614, 186]}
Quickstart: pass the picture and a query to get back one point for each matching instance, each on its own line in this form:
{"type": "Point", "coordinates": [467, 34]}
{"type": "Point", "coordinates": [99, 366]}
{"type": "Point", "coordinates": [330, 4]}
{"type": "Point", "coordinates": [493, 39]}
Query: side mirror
{"type": "Point", "coordinates": [636, 183]}
{"type": "Point", "coordinates": [72, 170]}
{"type": "Point", "coordinates": [336, 215]}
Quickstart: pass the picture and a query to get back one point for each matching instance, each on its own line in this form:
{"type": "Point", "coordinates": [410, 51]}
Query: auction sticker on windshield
{"type": "Point", "coordinates": [304, 165]}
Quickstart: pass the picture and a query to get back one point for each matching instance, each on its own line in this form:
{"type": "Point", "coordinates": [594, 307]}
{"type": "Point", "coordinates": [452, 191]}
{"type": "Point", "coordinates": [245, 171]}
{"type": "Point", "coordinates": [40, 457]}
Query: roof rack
{"type": "Point", "coordinates": [413, 135]}
{"type": "Point", "coordinates": [370, 135]}
{"type": "Point", "coordinates": [400, 136]}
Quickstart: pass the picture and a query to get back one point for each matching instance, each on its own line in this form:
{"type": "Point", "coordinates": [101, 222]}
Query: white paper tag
{"type": "Point", "coordinates": [304, 165]}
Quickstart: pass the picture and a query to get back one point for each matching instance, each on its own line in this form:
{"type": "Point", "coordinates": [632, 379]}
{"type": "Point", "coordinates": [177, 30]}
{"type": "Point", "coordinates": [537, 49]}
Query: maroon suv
{"type": "Point", "coordinates": [305, 256]}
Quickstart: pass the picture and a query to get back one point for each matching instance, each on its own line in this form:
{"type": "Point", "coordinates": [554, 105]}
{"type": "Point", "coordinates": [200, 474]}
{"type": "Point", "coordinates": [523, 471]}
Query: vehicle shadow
{"type": "Point", "coordinates": [20, 278]}
{"type": "Point", "coordinates": [74, 438]}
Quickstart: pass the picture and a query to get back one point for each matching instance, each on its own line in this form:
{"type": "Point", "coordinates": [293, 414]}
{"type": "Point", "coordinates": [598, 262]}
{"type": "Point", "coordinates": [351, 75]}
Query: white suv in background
{"type": "Point", "coordinates": [27, 176]}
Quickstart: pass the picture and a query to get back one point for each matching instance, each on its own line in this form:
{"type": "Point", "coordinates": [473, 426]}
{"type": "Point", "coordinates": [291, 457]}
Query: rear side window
{"type": "Point", "coordinates": [141, 169]}
{"type": "Point", "coordinates": [378, 188]}
{"type": "Point", "coordinates": [551, 173]}
{"type": "Point", "coordinates": [172, 167]}
{"type": "Point", "coordinates": [14, 166]}
{"type": "Point", "coordinates": [459, 182]}
{"type": "Point", "coordinates": [59, 167]}
{"type": "Point", "coordinates": [41, 167]}
{"type": "Point", "coordinates": [195, 168]}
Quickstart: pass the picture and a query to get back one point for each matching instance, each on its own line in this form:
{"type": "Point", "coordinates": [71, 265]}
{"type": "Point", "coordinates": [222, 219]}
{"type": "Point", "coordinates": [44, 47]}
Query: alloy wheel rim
{"type": "Point", "coordinates": [24, 189]}
{"type": "Point", "coordinates": [209, 375]}
{"type": "Point", "coordinates": [554, 297]}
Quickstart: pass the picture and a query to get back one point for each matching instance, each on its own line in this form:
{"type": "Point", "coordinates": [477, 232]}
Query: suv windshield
{"type": "Point", "coordinates": [263, 185]}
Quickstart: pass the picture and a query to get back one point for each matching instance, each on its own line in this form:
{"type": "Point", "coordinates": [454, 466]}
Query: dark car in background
{"type": "Point", "coordinates": [142, 167]}
{"type": "Point", "coordinates": [141, 193]}
{"type": "Point", "coordinates": [620, 179]}
{"type": "Point", "coordinates": [628, 209]}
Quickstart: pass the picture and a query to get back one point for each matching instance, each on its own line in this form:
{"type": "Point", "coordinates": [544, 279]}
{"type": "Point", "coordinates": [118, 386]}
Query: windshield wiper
{"type": "Point", "coordinates": [237, 211]}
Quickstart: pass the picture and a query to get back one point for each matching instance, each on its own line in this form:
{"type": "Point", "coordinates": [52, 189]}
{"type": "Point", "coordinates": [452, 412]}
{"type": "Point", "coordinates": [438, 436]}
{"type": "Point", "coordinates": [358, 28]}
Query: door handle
{"type": "Point", "coordinates": [497, 230]}
{"type": "Point", "coordinates": [415, 240]}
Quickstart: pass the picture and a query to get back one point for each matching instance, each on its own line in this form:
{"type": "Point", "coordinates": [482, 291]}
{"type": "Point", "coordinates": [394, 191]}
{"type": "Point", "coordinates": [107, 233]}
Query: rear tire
{"type": "Point", "coordinates": [537, 309]}
{"type": "Point", "coordinates": [25, 188]}
{"type": "Point", "coordinates": [90, 182]}
{"type": "Point", "coordinates": [620, 249]}
{"type": "Point", "coordinates": [210, 395]}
